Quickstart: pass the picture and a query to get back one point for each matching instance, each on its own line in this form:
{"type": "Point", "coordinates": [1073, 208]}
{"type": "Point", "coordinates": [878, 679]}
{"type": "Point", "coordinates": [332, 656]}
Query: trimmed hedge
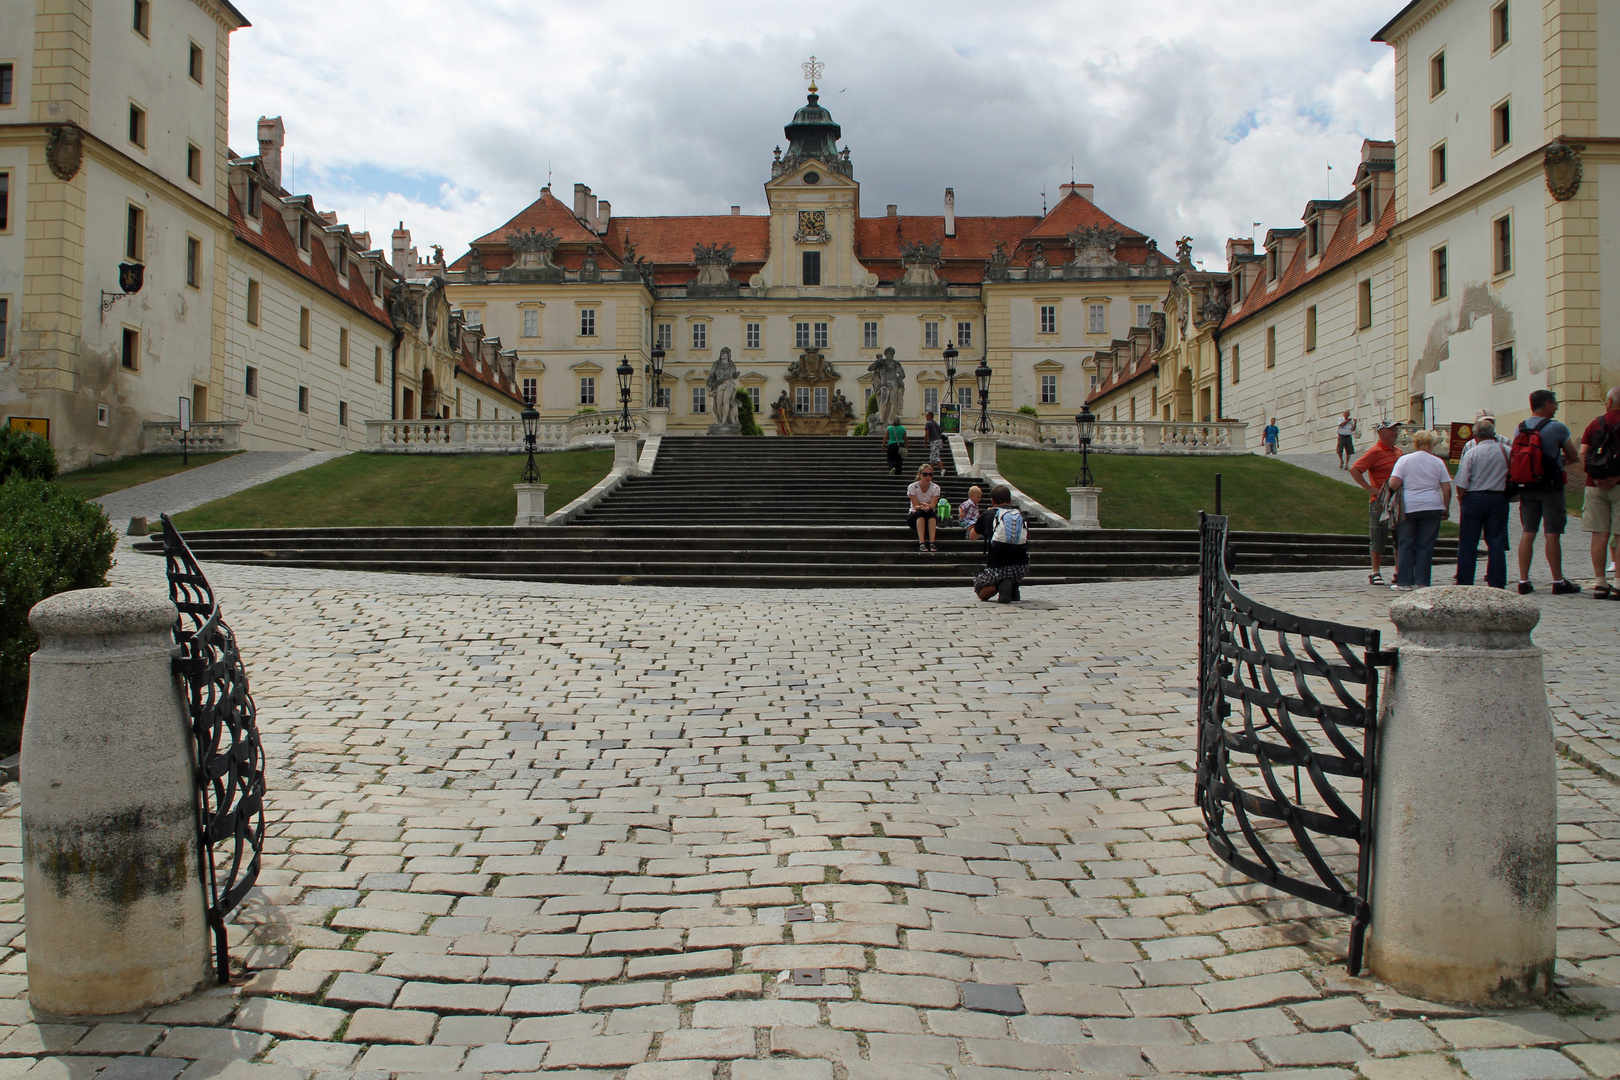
{"type": "Point", "coordinates": [745, 414]}
{"type": "Point", "coordinates": [25, 456]}
{"type": "Point", "coordinates": [51, 541]}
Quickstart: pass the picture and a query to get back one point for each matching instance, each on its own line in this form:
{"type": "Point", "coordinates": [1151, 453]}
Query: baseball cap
{"type": "Point", "coordinates": [1484, 414]}
{"type": "Point", "coordinates": [1385, 425]}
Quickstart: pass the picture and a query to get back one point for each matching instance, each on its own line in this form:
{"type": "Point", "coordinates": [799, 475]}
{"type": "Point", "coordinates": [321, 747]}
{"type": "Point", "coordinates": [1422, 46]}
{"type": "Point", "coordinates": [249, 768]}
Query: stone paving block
{"type": "Point", "coordinates": [671, 1070]}
{"type": "Point", "coordinates": [472, 1030]}
{"type": "Point", "coordinates": [119, 1039]}
{"type": "Point", "coordinates": [1048, 1029]}
{"type": "Point", "coordinates": [1119, 1060]}
{"type": "Point", "coordinates": [1139, 1032]}
{"type": "Point", "coordinates": [519, 969]}
{"type": "Point", "coordinates": [314, 1056]}
{"type": "Point", "coordinates": [636, 941]}
{"type": "Point", "coordinates": [289, 1019]}
{"type": "Point", "coordinates": [1528, 1064]}
{"type": "Point", "coordinates": [728, 1014]}
{"type": "Point", "coordinates": [211, 1043]}
{"type": "Point", "coordinates": [934, 965]}
{"type": "Point", "coordinates": [1331, 1014]}
{"type": "Point", "coordinates": [1522, 1029]}
{"type": "Point", "coordinates": [285, 983]}
{"type": "Point", "coordinates": [894, 1070]}
{"type": "Point", "coordinates": [140, 1068]}
{"type": "Point", "coordinates": [598, 1052]}
{"type": "Point", "coordinates": [1087, 973]}
{"type": "Point", "coordinates": [1075, 1001]}
{"type": "Point", "coordinates": [678, 964]}
{"type": "Point", "coordinates": [543, 1000]}
{"type": "Point", "coordinates": [781, 1069]}
{"type": "Point", "coordinates": [1164, 1001]}
{"type": "Point", "coordinates": [815, 1042]}
{"type": "Point", "coordinates": [1318, 1048]}
{"type": "Point", "coordinates": [779, 957]}
{"type": "Point", "coordinates": [710, 937]}
{"type": "Point", "coordinates": [551, 1028]}
{"type": "Point", "coordinates": [909, 990]}
{"type": "Point", "coordinates": [235, 1070]}
{"type": "Point", "coordinates": [966, 884]}
{"type": "Point", "coordinates": [42, 1038]}
{"type": "Point", "coordinates": [594, 969]}
{"type": "Point", "coordinates": [353, 990]}
{"type": "Point", "coordinates": [915, 1049]}
{"type": "Point", "coordinates": [1243, 1025]}
{"type": "Point", "coordinates": [1257, 990]}
{"type": "Point", "coordinates": [59, 1067]}
{"type": "Point", "coordinates": [1212, 1057]}
{"type": "Point", "coordinates": [428, 966]}
{"type": "Point", "coordinates": [390, 1026]}
{"type": "Point", "coordinates": [621, 995]}
{"type": "Point", "coordinates": [1387, 1038]}
{"type": "Point", "coordinates": [866, 1016]}
{"type": "Point", "coordinates": [1602, 1060]}
{"type": "Point", "coordinates": [722, 987]}
{"type": "Point", "coordinates": [643, 1018]}
{"type": "Point", "coordinates": [991, 997]}
{"type": "Point", "coordinates": [720, 1044]}
{"type": "Point", "coordinates": [452, 998]}
{"type": "Point", "coordinates": [1010, 1054]}
{"type": "Point", "coordinates": [501, 1058]}
{"type": "Point", "coordinates": [411, 1059]}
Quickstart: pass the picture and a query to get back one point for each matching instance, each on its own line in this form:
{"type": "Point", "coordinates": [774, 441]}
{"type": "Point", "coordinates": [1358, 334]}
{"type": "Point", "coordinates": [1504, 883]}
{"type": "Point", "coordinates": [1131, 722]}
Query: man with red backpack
{"type": "Point", "coordinates": [1600, 514]}
{"type": "Point", "coordinates": [1536, 473]}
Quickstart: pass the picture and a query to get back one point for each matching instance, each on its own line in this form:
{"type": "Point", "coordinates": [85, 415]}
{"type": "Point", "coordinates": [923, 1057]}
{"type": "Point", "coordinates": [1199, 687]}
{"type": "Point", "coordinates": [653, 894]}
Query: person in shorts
{"type": "Point", "coordinates": [894, 446]}
{"type": "Point", "coordinates": [1542, 507]}
{"type": "Point", "coordinates": [1347, 439]}
{"type": "Point", "coordinates": [934, 436]}
{"type": "Point", "coordinates": [923, 512]}
{"type": "Point", "coordinates": [1005, 564]}
{"type": "Point", "coordinates": [1271, 434]}
{"type": "Point", "coordinates": [1371, 471]}
{"type": "Point", "coordinates": [969, 509]}
{"type": "Point", "coordinates": [1600, 513]}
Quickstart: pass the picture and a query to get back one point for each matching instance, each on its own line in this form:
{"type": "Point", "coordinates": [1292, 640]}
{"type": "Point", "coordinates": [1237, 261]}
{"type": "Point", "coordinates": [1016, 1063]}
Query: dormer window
{"type": "Point", "coordinates": [1237, 287]}
{"type": "Point", "coordinates": [376, 282]}
{"type": "Point", "coordinates": [303, 233]}
{"type": "Point", "coordinates": [1364, 197]}
{"type": "Point", "coordinates": [342, 261]}
{"type": "Point", "coordinates": [1313, 235]}
{"type": "Point", "coordinates": [1271, 265]}
{"type": "Point", "coordinates": [254, 206]}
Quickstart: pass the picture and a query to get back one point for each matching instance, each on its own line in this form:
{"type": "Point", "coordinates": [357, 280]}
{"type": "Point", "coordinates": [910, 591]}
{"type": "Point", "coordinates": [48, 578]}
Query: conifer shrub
{"type": "Point", "coordinates": [745, 414]}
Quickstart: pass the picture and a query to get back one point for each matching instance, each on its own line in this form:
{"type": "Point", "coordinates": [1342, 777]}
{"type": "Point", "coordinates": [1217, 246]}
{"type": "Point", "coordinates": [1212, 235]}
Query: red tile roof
{"type": "Point", "coordinates": [1341, 248]}
{"type": "Point", "coordinates": [546, 212]}
{"type": "Point", "coordinates": [469, 365]}
{"type": "Point", "coordinates": [1076, 212]}
{"type": "Point", "coordinates": [273, 240]}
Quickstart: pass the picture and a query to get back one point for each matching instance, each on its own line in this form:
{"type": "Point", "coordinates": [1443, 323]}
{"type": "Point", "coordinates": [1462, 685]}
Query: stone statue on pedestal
{"type": "Point", "coordinates": [889, 384]}
{"type": "Point", "coordinates": [722, 384]}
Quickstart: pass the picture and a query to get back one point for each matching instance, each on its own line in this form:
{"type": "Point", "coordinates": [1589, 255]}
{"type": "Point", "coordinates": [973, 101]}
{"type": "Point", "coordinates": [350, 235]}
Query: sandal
{"type": "Point", "coordinates": [1602, 591]}
{"type": "Point", "coordinates": [1376, 579]}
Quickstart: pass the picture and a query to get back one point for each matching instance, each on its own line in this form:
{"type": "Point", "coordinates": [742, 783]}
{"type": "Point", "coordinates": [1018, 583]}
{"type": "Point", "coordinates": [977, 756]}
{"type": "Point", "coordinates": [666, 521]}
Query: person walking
{"type": "Point", "coordinates": [1371, 471]}
{"type": "Point", "coordinates": [1270, 434]}
{"type": "Point", "coordinates": [1348, 427]}
{"type": "Point", "coordinates": [934, 436]}
{"type": "Point", "coordinates": [1541, 502]}
{"type": "Point", "coordinates": [1424, 485]}
{"type": "Point", "coordinates": [1482, 506]}
{"type": "Point", "coordinates": [924, 513]}
{"type": "Point", "coordinates": [1006, 548]}
{"type": "Point", "coordinates": [894, 445]}
{"type": "Point", "coordinates": [1600, 513]}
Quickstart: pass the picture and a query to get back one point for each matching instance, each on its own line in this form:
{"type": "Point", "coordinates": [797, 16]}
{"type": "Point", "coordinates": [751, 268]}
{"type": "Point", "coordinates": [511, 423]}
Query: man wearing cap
{"type": "Point", "coordinates": [1482, 481]}
{"type": "Point", "coordinates": [1371, 471]}
{"type": "Point", "coordinates": [1481, 417]}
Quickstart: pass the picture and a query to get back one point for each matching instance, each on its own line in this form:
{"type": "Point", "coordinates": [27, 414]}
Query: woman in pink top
{"type": "Point", "coordinates": [924, 495]}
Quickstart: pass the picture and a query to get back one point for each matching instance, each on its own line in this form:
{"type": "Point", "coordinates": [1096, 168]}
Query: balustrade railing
{"type": "Point", "coordinates": [490, 436]}
{"type": "Point", "coordinates": [1153, 436]}
{"type": "Point", "coordinates": [205, 437]}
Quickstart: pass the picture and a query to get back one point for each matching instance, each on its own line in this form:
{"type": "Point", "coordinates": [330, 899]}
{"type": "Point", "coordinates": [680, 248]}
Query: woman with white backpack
{"type": "Point", "coordinates": [1006, 548]}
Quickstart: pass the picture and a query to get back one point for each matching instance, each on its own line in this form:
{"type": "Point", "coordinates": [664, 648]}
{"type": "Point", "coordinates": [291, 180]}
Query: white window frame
{"type": "Point", "coordinates": [869, 334]}
{"type": "Point", "coordinates": [964, 334]}
{"type": "Point", "coordinates": [587, 390]}
{"type": "Point", "coordinates": [1048, 317]}
{"type": "Point", "coordinates": [700, 400]}
{"type": "Point", "coordinates": [587, 322]}
{"type": "Point", "coordinates": [1049, 389]}
{"type": "Point", "coordinates": [1096, 318]}
{"type": "Point", "coordinates": [700, 336]}
{"type": "Point", "coordinates": [930, 334]}
{"type": "Point", "coordinates": [751, 335]}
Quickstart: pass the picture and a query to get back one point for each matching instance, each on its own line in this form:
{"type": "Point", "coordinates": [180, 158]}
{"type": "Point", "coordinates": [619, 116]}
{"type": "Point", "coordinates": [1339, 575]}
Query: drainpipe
{"type": "Point", "coordinates": [393, 375]}
{"type": "Point", "coordinates": [1215, 336]}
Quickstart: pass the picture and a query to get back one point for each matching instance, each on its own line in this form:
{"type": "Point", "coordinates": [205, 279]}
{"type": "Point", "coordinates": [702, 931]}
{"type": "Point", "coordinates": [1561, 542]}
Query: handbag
{"type": "Point", "coordinates": [1391, 505]}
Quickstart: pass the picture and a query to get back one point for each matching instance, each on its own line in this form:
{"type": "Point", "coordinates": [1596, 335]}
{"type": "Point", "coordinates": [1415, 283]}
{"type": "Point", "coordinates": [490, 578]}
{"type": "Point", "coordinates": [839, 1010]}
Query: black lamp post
{"type": "Point", "coordinates": [950, 368]}
{"type": "Point", "coordinates": [1087, 423]}
{"type": "Point", "coordinates": [982, 373]}
{"type": "Point", "coordinates": [625, 373]}
{"type": "Point", "coordinates": [658, 375]}
{"type": "Point", "coordinates": [531, 435]}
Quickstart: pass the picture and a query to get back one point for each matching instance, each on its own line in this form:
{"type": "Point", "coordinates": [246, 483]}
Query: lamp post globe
{"type": "Point", "coordinates": [982, 374]}
{"type": "Point", "coordinates": [657, 375]}
{"type": "Point", "coordinates": [531, 435]}
{"type": "Point", "coordinates": [625, 373]}
{"type": "Point", "coordinates": [1086, 422]}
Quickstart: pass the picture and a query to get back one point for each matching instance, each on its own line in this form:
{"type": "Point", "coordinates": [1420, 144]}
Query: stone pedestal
{"type": "Point", "coordinates": [984, 453]}
{"type": "Point", "coordinates": [1083, 507]}
{"type": "Point", "coordinates": [625, 450]}
{"type": "Point", "coordinates": [733, 428]}
{"type": "Point", "coordinates": [111, 894]}
{"type": "Point", "coordinates": [657, 421]}
{"type": "Point", "coordinates": [531, 504]}
{"type": "Point", "coordinates": [1465, 858]}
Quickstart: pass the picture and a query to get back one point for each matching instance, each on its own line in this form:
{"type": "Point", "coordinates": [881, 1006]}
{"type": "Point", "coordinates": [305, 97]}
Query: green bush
{"type": "Point", "coordinates": [1028, 410]}
{"type": "Point", "coordinates": [745, 414]}
{"type": "Point", "coordinates": [51, 541]}
{"type": "Point", "coordinates": [25, 456]}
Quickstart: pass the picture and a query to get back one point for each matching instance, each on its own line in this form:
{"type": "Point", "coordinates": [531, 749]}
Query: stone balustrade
{"type": "Point", "coordinates": [492, 436]}
{"type": "Point", "coordinates": [1153, 437]}
{"type": "Point", "coordinates": [205, 437]}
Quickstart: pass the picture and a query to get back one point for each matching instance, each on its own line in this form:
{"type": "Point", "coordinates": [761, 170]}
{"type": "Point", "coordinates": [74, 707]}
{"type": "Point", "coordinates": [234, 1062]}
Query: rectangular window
{"type": "Point", "coordinates": [587, 322]}
{"type": "Point", "coordinates": [531, 322]}
{"type": "Point", "coordinates": [250, 382]}
{"type": "Point", "coordinates": [801, 335]}
{"type": "Point", "coordinates": [193, 261]}
{"type": "Point", "coordinates": [1048, 318]}
{"type": "Point", "coordinates": [303, 400]}
{"type": "Point", "coordinates": [821, 400]}
{"type": "Point", "coordinates": [1310, 328]}
{"type": "Point", "coordinates": [137, 126]}
{"type": "Point", "coordinates": [1501, 125]}
{"type": "Point", "coordinates": [343, 346]}
{"type": "Point", "coordinates": [194, 63]}
{"type": "Point", "coordinates": [143, 18]}
{"type": "Point", "coordinates": [812, 268]}
{"type": "Point", "coordinates": [1437, 166]}
{"type": "Point", "coordinates": [1313, 234]}
{"type": "Point", "coordinates": [5, 201]}
{"type": "Point", "coordinates": [751, 335]}
{"type": "Point", "coordinates": [1237, 371]}
{"type": "Point", "coordinates": [1364, 305]}
{"type": "Point", "coordinates": [869, 335]}
{"type": "Point", "coordinates": [194, 163]}
{"type": "Point", "coordinates": [930, 335]}
{"type": "Point", "coordinates": [129, 357]}
{"type": "Point", "coordinates": [1504, 244]}
{"type": "Point", "coordinates": [254, 207]}
{"type": "Point", "coordinates": [303, 328]}
{"type": "Point", "coordinates": [1437, 74]}
{"type": "Point", "coordinates": [801, 399]}
{"type": "Point", "coordinates": [753, 397]}
{"type": "Point", "coordinates": [342, 261]}
{"type": "Point", "coordinates": [587, 390]}
{"type": "Point", "coordinates": [343, 414]}
{"type": "Point", "coordinates": [253, 302]}
{"type": "Point", "coordinates": [964, 396]}
{"type": "Point", "coordinates": [1144, 314]}
{"type": "Point", "coordinates": [1499, 26]}
{"type": "Point", "coordinates": [1364, 200]}
{"type": "Point", "coordinates": [931, 399]}
{"type": "Point", "coordinates": [821, 335]}
{"type": "Point", "coordinates": [5, 84]}
{"type": "Point", "coordinates": [700, 399]}
{"type": "Point", "coordinates": [135, 233]}
{"type": "Point", "coordinates": [1504, 362]}
{"type": "Point", "coordinates": [1439, 276]}
{"type": "Point", "coordinates": [5, 322]}
{"type": "Point", "coordinates": [964, 335]}
{"type": "Point", "coordinates": [1049, 390]}
{"type": "Point", "coordinates": [531, 391]}
{"type": "Point", "coordinates": [700, 335]}
{"type": "Point", "coordinates": [665, 399]}
{"type": "Point", "coordinates": [1095, 322]}
{"type": "Point", "coordinates": [665, 336]}
{"type": "Point", "coordinates": [376, 365]}
{"type": "Point", "coordinates": [1271, 265]}
{"type": "Point", "coordinates": [1271, 347]}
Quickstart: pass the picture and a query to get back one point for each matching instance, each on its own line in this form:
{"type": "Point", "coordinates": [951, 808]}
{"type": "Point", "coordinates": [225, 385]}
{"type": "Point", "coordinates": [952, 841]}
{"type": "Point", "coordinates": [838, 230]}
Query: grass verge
{"type": "Point", "coordinates": [98, 480]}
{"type": "Point", "coordinates": [400, 490]}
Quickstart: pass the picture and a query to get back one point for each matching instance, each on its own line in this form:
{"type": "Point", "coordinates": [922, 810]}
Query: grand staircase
{"type": "Point", "coordinates": [793, 513]}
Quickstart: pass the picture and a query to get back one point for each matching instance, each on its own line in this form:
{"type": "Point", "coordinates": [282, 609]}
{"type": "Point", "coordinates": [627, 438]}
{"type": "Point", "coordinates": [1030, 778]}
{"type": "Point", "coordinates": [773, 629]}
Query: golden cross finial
{"type": "Point", "coordinates": [812, 71]}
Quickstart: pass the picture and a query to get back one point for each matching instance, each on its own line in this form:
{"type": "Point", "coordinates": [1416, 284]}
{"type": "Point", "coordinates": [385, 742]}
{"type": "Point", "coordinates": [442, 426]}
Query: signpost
{"type": "Point", "coordinates": [1460, 434]}
{"type": "Point", "coordinates": [185, 428]}
{"type": "Point", "coordinates": [950, 418]}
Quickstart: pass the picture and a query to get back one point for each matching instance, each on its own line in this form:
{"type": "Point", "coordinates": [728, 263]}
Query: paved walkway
{"type": "Point", "coordinates": [184, 490]}
{"type": "Point", "coordinates": [1322, 464]}
{"type": "Point", "coordinates": [520, 827]}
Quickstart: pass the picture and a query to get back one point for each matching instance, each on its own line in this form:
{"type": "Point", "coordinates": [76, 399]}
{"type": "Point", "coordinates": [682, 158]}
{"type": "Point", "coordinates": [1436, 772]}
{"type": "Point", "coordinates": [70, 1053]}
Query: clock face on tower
{"type": "Point", "coordinates": [813, 222]}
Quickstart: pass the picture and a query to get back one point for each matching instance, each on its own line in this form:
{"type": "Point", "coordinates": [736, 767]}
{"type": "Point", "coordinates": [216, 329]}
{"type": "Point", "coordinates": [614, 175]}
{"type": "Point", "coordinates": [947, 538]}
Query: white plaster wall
{"type": "Point", "coordinates": [1608, 181]}
{"type": "Point", "coordinates": [271, 421]}
{"type": "Point", "coordinates": [17, 49]}
{"type": "Point", "coordinates": [1476, 80]}
{"type": "Point", "coordinates": [13, 160]}
{"type": "Point", "coordinates": [153, 72]}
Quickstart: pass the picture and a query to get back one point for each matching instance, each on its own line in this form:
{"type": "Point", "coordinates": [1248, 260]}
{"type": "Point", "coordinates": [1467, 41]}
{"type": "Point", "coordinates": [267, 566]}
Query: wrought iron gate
{"type": "Point", "coordinates": [230, 759]}
{"type": "Point", "coordinates": [1306, 696]}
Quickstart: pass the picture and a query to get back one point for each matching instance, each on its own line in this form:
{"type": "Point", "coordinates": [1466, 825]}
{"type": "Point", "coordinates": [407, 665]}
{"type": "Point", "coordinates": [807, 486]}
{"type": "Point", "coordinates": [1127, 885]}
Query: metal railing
{"type": "Point", "coordinates": [1305, 720]}
{"type": "Point", "coordinates": [205, 436]}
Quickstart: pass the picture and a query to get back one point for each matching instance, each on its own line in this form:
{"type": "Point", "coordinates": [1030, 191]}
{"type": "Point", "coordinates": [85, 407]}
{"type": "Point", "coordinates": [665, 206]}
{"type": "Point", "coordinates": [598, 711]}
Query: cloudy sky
{"type": "Point", "coordinates": [1189, 117]}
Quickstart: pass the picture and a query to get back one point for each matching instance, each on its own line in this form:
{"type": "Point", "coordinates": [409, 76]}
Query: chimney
{"type": "Point", "coordinates": [1085, 191]}
{"type": "Point", "coordinates": [950, 211]}
{"type": "Point", "coordinates": [272, 136]}
{"type": "Point", "coordinates": [1235, 246]}
{"type": "Point", "coordinates": [894, 210]}
{"type": "Point", "coordinates": [736, 211]}
{"type": "Point", "coordinates": [590, 210]}
{"type": "Point", "coordinates": [402, 247]}
{"type": "Point", "coordinates": [604, 214]}
{"type": "Point", "coordinates": [580, 192]}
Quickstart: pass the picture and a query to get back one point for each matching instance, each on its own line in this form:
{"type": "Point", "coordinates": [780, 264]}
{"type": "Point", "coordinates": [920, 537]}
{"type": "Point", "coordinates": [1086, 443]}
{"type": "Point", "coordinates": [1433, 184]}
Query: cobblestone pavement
{"type": "Point", "coordinates": [1322, 464]}
{"type": "Point", "coordinates": [182, 491]}
{"type": "Point", "coordinates": [526, 828]}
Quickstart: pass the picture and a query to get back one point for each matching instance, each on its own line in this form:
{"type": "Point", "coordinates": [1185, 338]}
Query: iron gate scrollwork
{"type": "Point", "coordinates": [1305, 693]}
{"type": "Point", "coordinates": [224, 728]}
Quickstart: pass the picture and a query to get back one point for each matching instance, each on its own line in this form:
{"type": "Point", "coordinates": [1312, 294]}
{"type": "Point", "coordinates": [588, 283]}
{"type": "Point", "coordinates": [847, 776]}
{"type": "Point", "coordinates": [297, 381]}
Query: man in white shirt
{"type": "Point", "coordinates": [1347, 439]}
{"type": "Point", "coordinates": [1482, 486]}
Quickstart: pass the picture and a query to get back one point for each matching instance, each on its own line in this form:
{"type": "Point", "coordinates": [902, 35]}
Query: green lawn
{"type": "Point", "coordinates": [98, 480]}
{"type": "Point", "coordinates": [1167, 492]}
{"type": "Point", "coordinates": [400, 489]}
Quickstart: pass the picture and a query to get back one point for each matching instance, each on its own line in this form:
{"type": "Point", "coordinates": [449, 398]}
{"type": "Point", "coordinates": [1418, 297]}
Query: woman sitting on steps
{"type": "Point", "coordinates": [924, 495]}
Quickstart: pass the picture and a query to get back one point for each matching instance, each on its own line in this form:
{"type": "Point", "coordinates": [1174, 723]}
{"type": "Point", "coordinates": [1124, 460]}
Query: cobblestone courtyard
{"type": "Point", "coordinates": [524, 827]}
